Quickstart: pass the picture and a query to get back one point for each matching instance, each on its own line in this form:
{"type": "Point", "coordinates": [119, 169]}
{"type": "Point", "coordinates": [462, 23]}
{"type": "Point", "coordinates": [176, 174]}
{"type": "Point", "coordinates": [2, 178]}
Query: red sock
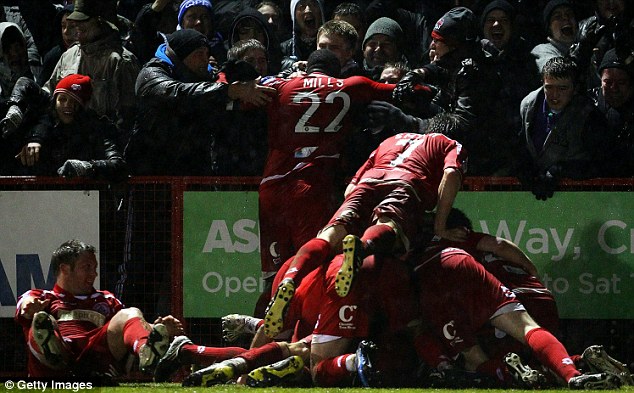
{"type": "Point", "coordinates": [331, 372]}
{"type": "Point", "coordinates": [379, 239]}
{"type": "Point", "coordinates": [135, 334]}
{"type": "Point", "coordinates": [496, 369]}
{"type": "Point", "coordinates": [204, 356]}
{"type": "Point", "coordinates": [578, 361]}
{"type": "Point", "coordinates": [309, 257]}
{"type": "Point", "coordinates": [261, 356]}
{"type": "Point", "coordinates": [551, 353]}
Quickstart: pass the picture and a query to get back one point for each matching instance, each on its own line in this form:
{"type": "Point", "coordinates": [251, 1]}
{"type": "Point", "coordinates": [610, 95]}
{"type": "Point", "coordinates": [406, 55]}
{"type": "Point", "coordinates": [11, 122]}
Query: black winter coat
{"type": "Point", "coordinates": [174, 130]}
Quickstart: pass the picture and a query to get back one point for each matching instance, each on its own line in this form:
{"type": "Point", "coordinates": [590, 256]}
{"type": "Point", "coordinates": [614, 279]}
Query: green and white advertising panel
{"type": "Point", "coordinates": [581, 242]}
{"type": "Point", "coordinates": [221, 257]}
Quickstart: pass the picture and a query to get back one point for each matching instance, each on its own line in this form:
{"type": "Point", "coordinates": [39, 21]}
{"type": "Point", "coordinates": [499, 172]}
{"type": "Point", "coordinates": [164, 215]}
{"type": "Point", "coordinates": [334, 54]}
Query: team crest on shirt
{"type": "Point", "coordinates": [346, 316]}
{"type": "Point", "coordinates": [449, 332]}
{"type": "Point", "coordinates": [102, 308]}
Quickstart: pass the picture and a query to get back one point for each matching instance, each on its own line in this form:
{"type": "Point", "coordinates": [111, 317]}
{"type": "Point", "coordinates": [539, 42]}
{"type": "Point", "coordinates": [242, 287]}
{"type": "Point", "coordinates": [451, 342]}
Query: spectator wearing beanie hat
{"type": "Point", "coordinates": [70, 140]}
{"type": "Point", "coordinates": [615, 99]}
{"type": "Point", "coordinates": [190, 48]}
{"type": "Point", "coordinates": [456, 27]}
{"type": "Point", "coordinates": [616, 80]}
{"type": "Point", "coordinates": [198, 15]}
{"type": "Point", "coordinates": [497, 23]}
{"type": "Point", "coordinates": [561, 27]}
{"type": "Point", "coordinates": [71, 94]}
{"type": "Point", "coordinates": [76, 86]}
{"type": "Point", "coordinates": [176, 91]}
{"type": "Point", "coordinates": [416, 22]}
{"type": "Point", "coordinates": [514, 64]}
{"type": "Point", "coordinates": [383, 43]}
{"type": "Point", "coordinates": [466, 108]}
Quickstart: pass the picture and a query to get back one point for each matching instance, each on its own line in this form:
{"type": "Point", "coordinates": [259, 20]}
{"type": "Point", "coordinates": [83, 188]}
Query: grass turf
{"type": "Point", "coordinates": [173, 387]}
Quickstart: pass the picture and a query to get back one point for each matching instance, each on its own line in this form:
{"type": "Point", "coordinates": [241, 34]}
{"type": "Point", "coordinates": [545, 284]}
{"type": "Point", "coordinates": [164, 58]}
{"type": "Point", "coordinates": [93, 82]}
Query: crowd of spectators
{"type": "Point", "coordinates": [536, 90]}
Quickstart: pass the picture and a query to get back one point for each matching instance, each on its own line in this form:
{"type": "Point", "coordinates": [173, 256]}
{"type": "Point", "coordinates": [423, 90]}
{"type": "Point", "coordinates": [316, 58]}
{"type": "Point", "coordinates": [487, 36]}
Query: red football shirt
{"type": "Point", "coordinates": [75, 315]}
{"type": "Point", "coordinates": [309, 119]}
{"type": "Point", "coordinates": [418, 159]}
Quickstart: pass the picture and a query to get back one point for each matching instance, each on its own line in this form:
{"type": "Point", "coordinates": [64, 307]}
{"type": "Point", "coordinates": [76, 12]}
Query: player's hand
{"type": "Point", "coordinates": [30, 154]}
{"type": "Point", "coordinates": [300, 65]}
{"type": "Point", "coordinates": [382, 114]}
{"type": "Point", "coordinates": [454, 234]}
{"type": "Point", "coordinates": [296, 74]}
{"type": "Point", "coordinates": [32, 306]}
{"type": "Point", "coordinates": [173, 325]}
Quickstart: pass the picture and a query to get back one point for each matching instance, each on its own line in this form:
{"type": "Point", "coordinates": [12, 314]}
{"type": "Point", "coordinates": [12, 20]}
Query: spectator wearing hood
{"type": "Point", "coordinates": [307, 16]}
{"type": "Point", "coordinates": [14, 14]}
{"type": "Point", "coordinates": [100, 55]}
{"type": "Point", "coordinates": [560, 22]}
{"type": "Point", "coordinates": [14, 59]}
{"type": "Point", "coordinates": [14, 64]}
{"type": "Point", "coordinates": [383, 42]}
{"type": "Point", "coordinates": [273, 15]}
{"type": "Point", "coordinates": [250, 23]}
{"type": "Point", "coordinates": [615, 99]}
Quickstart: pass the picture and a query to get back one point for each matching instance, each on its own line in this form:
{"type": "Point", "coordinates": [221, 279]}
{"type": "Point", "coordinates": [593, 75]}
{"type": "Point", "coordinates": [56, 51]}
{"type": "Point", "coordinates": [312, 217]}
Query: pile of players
{"type": "Point", "coordinates": [414, 296]}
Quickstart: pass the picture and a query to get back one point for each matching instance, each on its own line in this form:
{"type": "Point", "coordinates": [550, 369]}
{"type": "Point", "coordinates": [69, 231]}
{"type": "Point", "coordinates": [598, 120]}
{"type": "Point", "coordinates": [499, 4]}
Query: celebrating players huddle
{"type": "Point", "coordinates": [387, 294]}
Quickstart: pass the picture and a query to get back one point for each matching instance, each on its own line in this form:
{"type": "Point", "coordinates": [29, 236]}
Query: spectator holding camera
{"type": "Point", "coordinates": [613, 15]}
